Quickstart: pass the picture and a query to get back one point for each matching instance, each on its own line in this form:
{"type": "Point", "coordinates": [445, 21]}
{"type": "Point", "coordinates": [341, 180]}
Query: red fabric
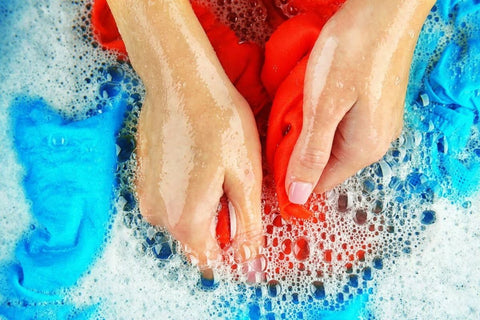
{"type": "Point", "coordinates": [105, 29]}
{"type": "Point", "coordinates": [282, 66]}
{"type": "Point", "coordinates": [286, 56]}
{"type": "Point", "coordinates": [242, 62]}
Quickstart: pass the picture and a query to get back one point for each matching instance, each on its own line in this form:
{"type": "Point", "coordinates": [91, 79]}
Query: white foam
{"type": "Point", "coordinates": [440, 281]}
{"type": "Point", "coordinates": [14, 217]}
{"type": "Point", "coordinates": [129, 284]}
{"type": "Point", "coordinates": [49, 59]}
{"type": "Point", "coordinates": [437, 280]}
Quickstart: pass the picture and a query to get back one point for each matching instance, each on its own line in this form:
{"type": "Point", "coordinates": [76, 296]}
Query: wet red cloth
{"type": "Point", "coordinates": [242, 62]}
{"type": "Point", "coordinates": [105, 29]}
{"type": "Point", "coordinates": [286, 56]}
{"type": "Point", "coordinates": [282, 66]}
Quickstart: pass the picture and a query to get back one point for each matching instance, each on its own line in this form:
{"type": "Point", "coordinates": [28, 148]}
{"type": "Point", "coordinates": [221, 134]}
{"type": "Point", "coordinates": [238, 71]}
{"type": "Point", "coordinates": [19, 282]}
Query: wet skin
{"type": "Point", "coordinates": [354, 93]}
{"type": "Point", "coordinates": [197, 136]}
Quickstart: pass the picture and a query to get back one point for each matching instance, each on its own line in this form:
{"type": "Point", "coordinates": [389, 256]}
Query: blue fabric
{"type": "Point", "coordinates": [69, 179]}
{"type": "Point", "coordinates": [354, 309]}
{"type": "Point", "coordinates": [445, 72]}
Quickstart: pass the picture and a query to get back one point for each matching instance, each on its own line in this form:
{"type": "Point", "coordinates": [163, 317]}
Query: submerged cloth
{"type": "Point", "coordinates": [69, 179]}
{"type": "Point", "coordinates": [243, 63]}
{"type": "Point", "coordinates": [286, 57]}
{"type": "Point", "coordinates": [105, 28]}
{"type": "Point", "coordinates": [444, 92]}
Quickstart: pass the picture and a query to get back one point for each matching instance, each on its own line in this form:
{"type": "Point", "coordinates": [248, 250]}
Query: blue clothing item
{"type": "Point", "coordinates": [69, 179]}
{"type": "Point", "coordinates": [354, 309]}
{"type": "Point", "coordinates": [443, 98]}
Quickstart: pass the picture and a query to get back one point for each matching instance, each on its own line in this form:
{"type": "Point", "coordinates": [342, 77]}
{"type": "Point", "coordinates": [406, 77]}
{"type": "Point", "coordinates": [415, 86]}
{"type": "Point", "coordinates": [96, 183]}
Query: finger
{"type": "Point", "coordinates": [196, 231]}
{"type": "Point", "coordinates": [325, 103]}
{"type": "Point", "coordinates": [243, 189]}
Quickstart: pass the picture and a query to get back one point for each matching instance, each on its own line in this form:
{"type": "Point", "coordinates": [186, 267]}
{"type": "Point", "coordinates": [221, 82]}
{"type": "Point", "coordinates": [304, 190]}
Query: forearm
{"type": "Point", "coordinates": [390, 17]}
{"type": "Point", "coordinates": [164, 39]}
{"type": "Point", "coordinates": [405, 15]}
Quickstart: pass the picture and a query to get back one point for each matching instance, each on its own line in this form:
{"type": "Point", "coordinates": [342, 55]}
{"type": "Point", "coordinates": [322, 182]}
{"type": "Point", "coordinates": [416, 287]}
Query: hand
{"type": "Point", "coordinates": [355, 87]}
{"type": "Point", "coordinates": [197, 136]}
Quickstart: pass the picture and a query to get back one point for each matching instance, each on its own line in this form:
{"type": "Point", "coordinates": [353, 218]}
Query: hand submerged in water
{"type": "Point", "coordinates": [354, 93]}
{"type": "Point", "coordinates": [197, 136]}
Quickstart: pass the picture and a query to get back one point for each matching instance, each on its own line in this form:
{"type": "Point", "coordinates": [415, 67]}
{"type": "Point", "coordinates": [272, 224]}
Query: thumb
{"type": "Point", "coordinates": [308, 159]}
{"type": "Point", "coordinates": [325, 103]}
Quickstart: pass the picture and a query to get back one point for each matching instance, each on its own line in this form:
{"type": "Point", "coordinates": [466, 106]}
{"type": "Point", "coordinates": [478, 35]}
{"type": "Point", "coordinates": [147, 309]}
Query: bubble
{"type": "Point", "coordinates": [467, 204]}
{"type": "Point", "coordinates": [367, 273]}
{"type": "Point", "coordinates": [287, 246]}
{"type": "Point", "coordinates": [301, 249]}
{"type": "Point", "coordinates": [126, 145]}
{"type": "Point", "coordinates": [162, 250]}
{"type": "Point", "coordinates": [368, 186]}
{"type": "Point", "coordinates": [342, 203]}
{"type": "Point", "coordinates": [428, 217]}
{"type": "Point", "coordinates": [353, 280]}
{"type": "Point", "coordinates": [360, 217]}
{"type": "Point", "coordinates": [115, 73]}
{"type": "Point", "coordinates": [378, 263]}
{"type": "Point", "coordinates": [274, 288]}
{"type": "Point", "coordinates": [208, 281]}
{"type": "Point", "coordinates": [317, 290]}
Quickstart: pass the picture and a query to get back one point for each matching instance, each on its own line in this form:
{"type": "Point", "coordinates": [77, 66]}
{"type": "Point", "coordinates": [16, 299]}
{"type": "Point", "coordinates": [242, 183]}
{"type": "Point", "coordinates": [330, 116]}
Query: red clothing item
{"type": "Point", "coordinates": [242, 62]}
{"type": "Point", "coordinates": [286, 57]}
{"type": "Point", "coordinates": [105, 29]}
{"type": "Point", "coordinates": [282, 67]}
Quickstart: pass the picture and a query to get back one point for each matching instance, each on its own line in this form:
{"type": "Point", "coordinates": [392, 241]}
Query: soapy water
{"type": "Point", "coordinates": [245, 18]}
{"type": "Point", "coordinates": [396, 234]}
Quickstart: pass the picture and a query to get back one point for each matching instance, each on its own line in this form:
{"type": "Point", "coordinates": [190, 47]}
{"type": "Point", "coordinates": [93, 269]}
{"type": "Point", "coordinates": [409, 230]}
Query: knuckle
{"type": "Point", "coordinates": [252, 231]}
{"type": "Point", "coordinates": [313, 159]}
{"type": "Point", "coordinates": [249, 229]}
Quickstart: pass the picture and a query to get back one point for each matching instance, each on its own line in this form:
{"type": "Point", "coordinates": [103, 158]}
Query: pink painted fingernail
{"type": "Point", "coordinates": [299, 192]}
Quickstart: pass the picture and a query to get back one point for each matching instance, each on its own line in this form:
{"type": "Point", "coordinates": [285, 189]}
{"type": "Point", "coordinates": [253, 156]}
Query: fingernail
{"type": "Point", "coordinates": [299, 192]}
{"type": "Point", "coordinates": [247, 253]}
{"type": "Point", "coordinates": [233, 220]}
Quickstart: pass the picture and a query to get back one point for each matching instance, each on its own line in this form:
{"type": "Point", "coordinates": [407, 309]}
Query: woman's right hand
{"type": "Point", "coordinates": [197, 136]}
